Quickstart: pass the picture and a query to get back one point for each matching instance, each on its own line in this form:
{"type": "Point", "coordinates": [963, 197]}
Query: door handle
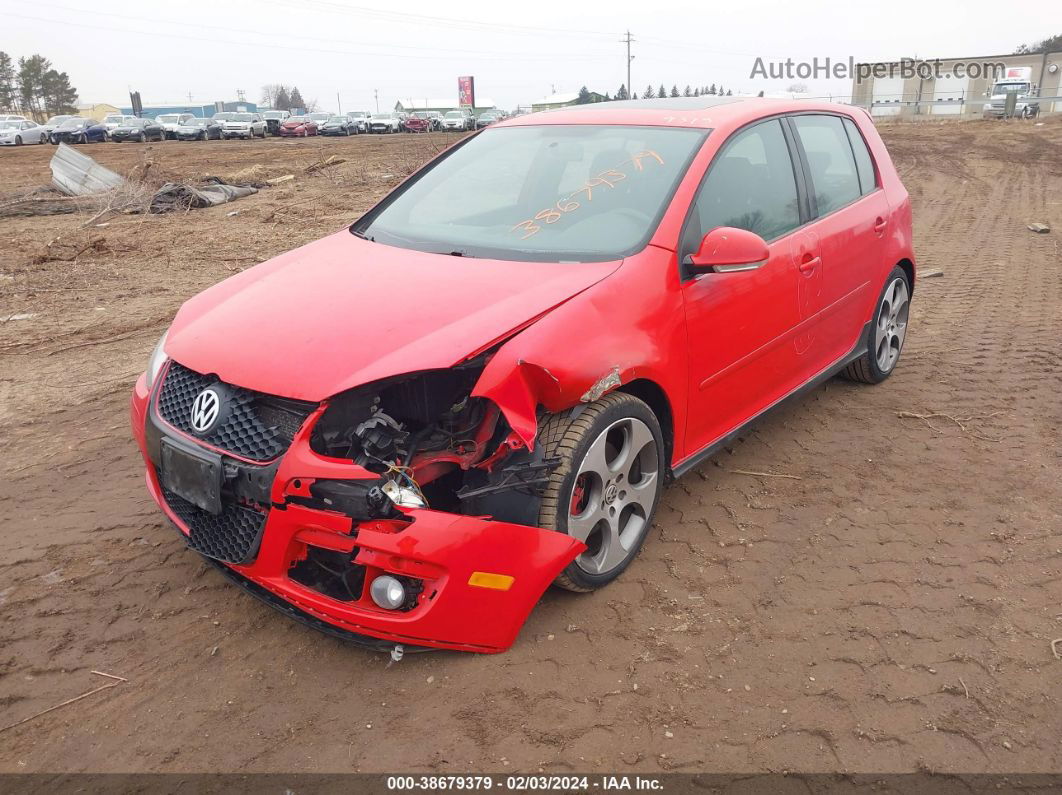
{"type": "Point", "coordinates": [809, 265]}
{"type": "Point", "coordinates": [879, 226]}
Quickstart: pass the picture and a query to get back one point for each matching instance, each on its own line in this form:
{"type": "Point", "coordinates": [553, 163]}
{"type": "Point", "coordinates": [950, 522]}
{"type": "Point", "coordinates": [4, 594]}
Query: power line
{"type": "Point", "coordinates": [628, 40]}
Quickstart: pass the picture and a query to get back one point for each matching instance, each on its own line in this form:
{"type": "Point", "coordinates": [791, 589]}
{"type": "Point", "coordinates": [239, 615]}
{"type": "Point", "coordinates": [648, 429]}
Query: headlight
{"type": "Point", "coordinates": [158, 358]}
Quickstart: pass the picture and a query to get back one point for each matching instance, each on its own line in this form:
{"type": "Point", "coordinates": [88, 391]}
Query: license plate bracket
{"type": "Point", "coordinates": [193, 476]}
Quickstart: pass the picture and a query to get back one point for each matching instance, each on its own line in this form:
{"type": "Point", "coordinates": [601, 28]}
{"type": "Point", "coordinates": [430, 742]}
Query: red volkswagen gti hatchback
{"type": "Point", "coordinates": [403, 433]}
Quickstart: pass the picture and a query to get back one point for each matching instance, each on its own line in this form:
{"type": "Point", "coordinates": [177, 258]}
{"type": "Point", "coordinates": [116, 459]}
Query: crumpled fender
{"type": "Point", "coordinates": [583, 349]}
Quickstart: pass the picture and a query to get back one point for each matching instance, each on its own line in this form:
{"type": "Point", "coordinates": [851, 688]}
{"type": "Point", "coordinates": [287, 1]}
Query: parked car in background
{"type": "Point", "coordinates": [140, 130]}
{"type": "Point", "coordinates": [113, 121]}
{"type": "Point", "coordinates": [418, 121]}
{"type": "Point", "coordinates": [198, 129]}
{"type": "Point", "coordinates": [12, 117]}
{"type": "Point", "coordinates": [386, 122]}
{"type": "Point", "coordinates": [54, 122]}
{"type": "Point", "coordinates": [78, 130]}
{"type": "Point", "coordinates": [15, 132]}
{"type": "Point", "coordinates": [298, 127]}
{"type": "Point", "coordinates": [487, 118]}
{"type": "Point", "coordinates": [273, 120]}
{"type": "Point", "coordinates": [361, 119]}
{"type": "Point", "coordinates": [338, 125]}
{"type": "Point", "coordinates": [243, 125]}
{"type": "Point", "coordinates": [458, 120]}
{"type": "Point", "coordinates": [320, 117]}
{"type": "Point", "coordinates": [171, 121]}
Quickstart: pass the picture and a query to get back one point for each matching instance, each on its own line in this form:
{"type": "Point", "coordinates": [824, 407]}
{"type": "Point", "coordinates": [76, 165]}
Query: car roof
{"type": "Point", "coordinates": [705, 112]}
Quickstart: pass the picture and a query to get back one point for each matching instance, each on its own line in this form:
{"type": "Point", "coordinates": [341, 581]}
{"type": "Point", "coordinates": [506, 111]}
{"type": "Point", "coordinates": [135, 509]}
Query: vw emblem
{"type": "Point", "coordinates": [205, 410]}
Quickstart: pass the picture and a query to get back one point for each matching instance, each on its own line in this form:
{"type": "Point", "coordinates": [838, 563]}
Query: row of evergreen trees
{"type": "Point", "coordinates": [35, 88]}
{"type": "Point", "coordinates": [651, 93]}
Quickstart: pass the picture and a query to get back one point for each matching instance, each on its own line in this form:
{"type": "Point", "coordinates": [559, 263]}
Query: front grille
{"type": "Point", "coordinates": [232, 536]}
{"type": "Point", "coordinates": [257, 426]}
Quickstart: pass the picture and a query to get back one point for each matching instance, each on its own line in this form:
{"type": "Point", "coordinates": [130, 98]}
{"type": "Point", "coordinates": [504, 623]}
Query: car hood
{"type": "Point", "coordinates": [343, 311]}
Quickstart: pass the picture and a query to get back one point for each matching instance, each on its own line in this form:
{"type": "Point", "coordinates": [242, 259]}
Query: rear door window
{"type": "Point", "coordinates": [834, 180]}
{"type": "Point", "coordinates": [863, 161]}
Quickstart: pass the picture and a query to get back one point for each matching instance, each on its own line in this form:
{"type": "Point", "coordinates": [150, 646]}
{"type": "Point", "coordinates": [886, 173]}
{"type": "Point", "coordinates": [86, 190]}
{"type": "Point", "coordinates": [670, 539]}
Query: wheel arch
{"type": "Point", "coordinates": [909, 270]}
{"type": "Point", "coordinates": [654, 396]}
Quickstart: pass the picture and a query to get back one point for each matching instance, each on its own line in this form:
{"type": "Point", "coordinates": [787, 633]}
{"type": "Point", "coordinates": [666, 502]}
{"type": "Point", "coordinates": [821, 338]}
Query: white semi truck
{"type": "Point", "coordinates": [1016, 80]}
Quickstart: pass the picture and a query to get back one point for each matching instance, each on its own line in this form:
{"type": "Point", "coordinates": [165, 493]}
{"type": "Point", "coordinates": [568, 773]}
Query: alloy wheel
{"type": "Point", "coordinates": [614, 494]}
{"type": "Point", "coordinates": [891, 325]}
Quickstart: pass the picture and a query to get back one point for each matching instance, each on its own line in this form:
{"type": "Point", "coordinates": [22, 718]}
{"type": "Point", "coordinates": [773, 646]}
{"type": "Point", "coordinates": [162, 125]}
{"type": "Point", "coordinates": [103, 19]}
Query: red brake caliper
{"type": "Point", "coordinates": [578, 495]}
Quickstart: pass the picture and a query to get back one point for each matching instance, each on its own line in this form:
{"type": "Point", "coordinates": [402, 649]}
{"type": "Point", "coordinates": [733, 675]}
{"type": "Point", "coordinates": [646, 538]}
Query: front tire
{"type": "Point", "coordinates": [607, 486]}
{"type": "Point", "coordinates": [887, 332]}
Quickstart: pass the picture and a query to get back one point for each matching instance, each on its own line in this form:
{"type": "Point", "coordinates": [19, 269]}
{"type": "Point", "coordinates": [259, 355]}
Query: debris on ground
{"type": "Point", "coordinates": [210, 192]}
{"type": "Point", "coordinates": [1042, 229]}
{"type": "Point", "coordinates": [332, 160]}
{"type": "Point", "coordinates": [77, 174]}
{"type": "Point", "coordinates": [931, 274]}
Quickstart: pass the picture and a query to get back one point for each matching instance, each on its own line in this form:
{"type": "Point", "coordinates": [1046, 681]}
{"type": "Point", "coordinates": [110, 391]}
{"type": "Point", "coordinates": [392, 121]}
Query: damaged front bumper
{"type": "Point", "coordinates": [471, 581]}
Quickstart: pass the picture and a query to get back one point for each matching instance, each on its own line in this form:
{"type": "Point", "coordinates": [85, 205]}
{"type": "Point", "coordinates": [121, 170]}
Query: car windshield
{"type": "Point", "coordinates": [338, 119]}
{"type": "Point", "coordinates": [541, 193]}
{"type": "Point", "coordinates": [454, 114]}
{"type": "Point", "coordinates": [224, 116]}
{"type": "Point", "coordinates": [383, 115]}
{"type": "Point", "coordinates": [299, 119]}
{"type": "Point", "coordinates": [1010, 88]}
{"type": "Point", "coordinates": [112, 120]}
{"type": "Point", "coordinates": [241, 117]}
{"type": "Point", "coordinates": [274, 114]}
{"type": "Point", "coordinates": [9, 125]}
{"type": "Point", "coordinates": [133, 123]}
{"type": "Point", "coordinates": [72, 124]}
{"type": "Point", "coordinates": [168, 118]}
{"type": "Point", "coordinates": [57, 119]}
{"type": "Point", "coordinates": [195, 123]}
{"type": "Point", "coordinates": [321, 116]}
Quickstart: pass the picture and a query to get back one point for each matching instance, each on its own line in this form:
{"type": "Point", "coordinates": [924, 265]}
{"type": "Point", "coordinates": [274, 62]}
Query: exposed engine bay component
{"type": "Point", "coordinates": [403, 495]}
{"type": "Point", "coordinates": [380, 439]}
{"type": "Point", "coordinates": [435, 445]}
{"type": "Point", "coordinates": [361, 500]}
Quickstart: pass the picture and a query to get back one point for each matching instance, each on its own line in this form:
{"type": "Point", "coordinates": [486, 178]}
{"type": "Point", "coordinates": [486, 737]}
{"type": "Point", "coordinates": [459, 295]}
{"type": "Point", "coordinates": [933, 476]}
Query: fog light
{"type": "Point", "coordinates": [388, 592]}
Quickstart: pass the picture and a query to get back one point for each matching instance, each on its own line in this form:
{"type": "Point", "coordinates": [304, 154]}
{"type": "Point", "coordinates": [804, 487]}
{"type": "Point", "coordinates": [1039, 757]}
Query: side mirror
{"type": "Point", "coordinates": [727, 249]}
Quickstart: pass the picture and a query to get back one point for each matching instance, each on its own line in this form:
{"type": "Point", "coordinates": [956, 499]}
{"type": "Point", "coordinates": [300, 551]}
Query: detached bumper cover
{"type": "Point", "coordinates": [442, 551]}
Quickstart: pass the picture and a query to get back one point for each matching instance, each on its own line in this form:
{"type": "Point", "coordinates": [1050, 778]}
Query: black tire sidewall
{"type": "Point", "coordinates": [872, 360]}
{"type": "Point", "coordinates": [628, 408]}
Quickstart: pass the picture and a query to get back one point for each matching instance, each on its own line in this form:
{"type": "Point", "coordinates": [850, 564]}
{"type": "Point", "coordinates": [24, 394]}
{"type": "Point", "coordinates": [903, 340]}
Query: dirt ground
{"type": "Point", "coordinates": [889, 608]}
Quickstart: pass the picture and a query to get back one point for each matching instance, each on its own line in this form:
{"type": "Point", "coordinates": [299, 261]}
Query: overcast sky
{"type": "Point", "coordinates": [518, 52]}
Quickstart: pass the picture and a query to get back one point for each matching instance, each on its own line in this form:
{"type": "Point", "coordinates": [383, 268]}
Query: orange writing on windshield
{"type": "Point", "coordinates": [606, 180]}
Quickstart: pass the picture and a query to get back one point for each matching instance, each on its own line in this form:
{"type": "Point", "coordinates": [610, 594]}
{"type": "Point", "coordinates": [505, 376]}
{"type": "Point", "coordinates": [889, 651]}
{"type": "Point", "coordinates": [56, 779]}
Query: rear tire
{"type": "Point", "coordinates": [887, 332]}
{"type": "Point", "coordinates": [606, 489]}
{"type": "Point", "coordinates": [18, 140]}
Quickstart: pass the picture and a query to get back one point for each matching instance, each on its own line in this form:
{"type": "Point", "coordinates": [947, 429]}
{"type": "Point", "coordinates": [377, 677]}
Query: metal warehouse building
{"type": "Point", "coordinates": [948, 94]}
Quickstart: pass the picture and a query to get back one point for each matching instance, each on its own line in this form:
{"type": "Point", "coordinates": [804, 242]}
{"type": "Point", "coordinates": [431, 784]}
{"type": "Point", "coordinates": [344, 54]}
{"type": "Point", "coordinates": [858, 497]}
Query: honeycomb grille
{"type": "Point", "coordinates": [233, 536]}
{"type": "Point", "coordinates": [256, 426]}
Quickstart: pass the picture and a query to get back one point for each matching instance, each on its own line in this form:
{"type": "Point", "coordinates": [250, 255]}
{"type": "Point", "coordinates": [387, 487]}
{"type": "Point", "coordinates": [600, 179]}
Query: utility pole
{"type": "Point", "coordinates": [376, 93]}
{"type": "Point", "coordinates": [628, 39]}
{"type": "Point", "coordinates": [189, 97]}
{"type": "Point", "coordinates": [340, 103]}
